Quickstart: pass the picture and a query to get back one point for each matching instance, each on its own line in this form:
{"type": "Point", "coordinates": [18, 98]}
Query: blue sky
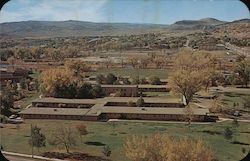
{"type": "Point", "coordinates": [132, 11]}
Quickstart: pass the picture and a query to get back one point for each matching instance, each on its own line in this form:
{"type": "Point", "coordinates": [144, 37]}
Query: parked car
{"type": "Point", "coordinates": [14, 119]}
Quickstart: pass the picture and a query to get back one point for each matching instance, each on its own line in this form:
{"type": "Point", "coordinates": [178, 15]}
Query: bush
{"type": "Point", "coordinates": [140, 102]}
{"type": "Point", "coordinates": [106, 150]}
{"type": "Point", "coordinates": [228, 133]}
{"type": "Point", "coordinates": [154, 80]}
{"type": "Point", "coordinates": [111, 78]}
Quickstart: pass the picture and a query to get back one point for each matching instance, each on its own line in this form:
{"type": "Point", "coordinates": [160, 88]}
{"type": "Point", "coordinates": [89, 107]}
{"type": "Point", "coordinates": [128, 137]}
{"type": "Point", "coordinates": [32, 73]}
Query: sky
{"type": "Point", "coordinates": [131, 11]}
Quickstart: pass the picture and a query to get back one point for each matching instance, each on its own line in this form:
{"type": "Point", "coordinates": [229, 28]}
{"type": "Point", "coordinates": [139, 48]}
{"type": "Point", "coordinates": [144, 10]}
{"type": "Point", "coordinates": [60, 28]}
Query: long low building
{"type": "Point", "coordinates": [62, 102]}
{"type": "Point", "coordinates": [153, 88]}
{"type": "Point", "coordinates": [56, 113]}
{"type": "Point", "coordinates": [144, 113]}
{"type": "Point", "coordinates": [123, 90]}
{"type": "Point", "coordinates": [100, 110]}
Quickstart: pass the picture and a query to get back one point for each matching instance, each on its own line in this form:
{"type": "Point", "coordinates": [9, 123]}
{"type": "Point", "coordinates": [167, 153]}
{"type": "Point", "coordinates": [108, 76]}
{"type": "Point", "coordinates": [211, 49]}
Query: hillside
{"type": "Point", "coordinates": [72, 28]}
{"type": "Point", "coordinates": [38, 29]}
{"type": "Point", "coordinates": [206, 23]}
{"type": "Point", "coordinates": [237, 29]}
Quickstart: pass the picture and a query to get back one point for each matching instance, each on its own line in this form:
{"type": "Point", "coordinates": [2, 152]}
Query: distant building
{"type": "Point", "coordinates": [123, 90]}
{"type": "Point", "coordinates": [153, 88]}
{"type": "Point", "coordinates": [12, 75]}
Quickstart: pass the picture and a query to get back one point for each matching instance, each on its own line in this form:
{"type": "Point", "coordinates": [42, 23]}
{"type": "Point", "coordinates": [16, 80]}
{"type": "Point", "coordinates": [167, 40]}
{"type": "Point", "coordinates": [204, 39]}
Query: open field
{"type": "Point", "coordinates": [233, 97]}
{"type": "Point", "coordinates": [15, 139]}
{"type": "Point", "coordinates": [161, 73]}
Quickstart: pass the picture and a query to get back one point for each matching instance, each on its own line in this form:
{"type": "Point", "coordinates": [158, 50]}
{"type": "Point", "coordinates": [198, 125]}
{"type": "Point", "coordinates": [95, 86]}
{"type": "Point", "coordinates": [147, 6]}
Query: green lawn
{"type": "Point", "coordinates": [234, 100]}
{"type": "Point", "coordinates": [16, 139]}
{"type": "Point", "coordinates": [161, 73]}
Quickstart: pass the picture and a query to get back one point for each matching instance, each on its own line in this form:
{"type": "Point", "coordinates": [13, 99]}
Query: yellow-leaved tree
{"type": "Point", "coordinates": [54, 77]}
{"type": "Point", "coordinates": [193, 71]}
{"type": "Point", "coordinates": [161, 147]}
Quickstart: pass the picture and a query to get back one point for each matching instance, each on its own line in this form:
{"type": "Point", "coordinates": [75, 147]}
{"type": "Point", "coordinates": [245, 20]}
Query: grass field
{"type": "Point", "coordinates": [161, 73]}
{"type": "Point", "coordinates": [15, 138]}
{"type": "Point", "coordinates": [234, 99]}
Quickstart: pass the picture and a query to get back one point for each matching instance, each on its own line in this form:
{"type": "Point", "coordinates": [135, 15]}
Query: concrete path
{"type": "Point", "coordinates": [26, 157]}
{"type": "Point", "coordinates": [222, 119]}
{"type": "Point", "coordinates": [152, 121]}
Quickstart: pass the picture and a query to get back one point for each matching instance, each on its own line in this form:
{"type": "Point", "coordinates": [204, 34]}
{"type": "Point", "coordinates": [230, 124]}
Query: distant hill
{"type": "Point", "coordinates": [37, 29]}
{"type": "Point", "coordinates": [196, 24]}
{"type": "Point", "coordinates": [72, 28]}
{"type": "Point", "coordinates": [238, 29]}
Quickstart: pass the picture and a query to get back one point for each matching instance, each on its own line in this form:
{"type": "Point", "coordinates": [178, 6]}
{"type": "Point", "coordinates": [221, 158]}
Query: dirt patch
{"type": "Point", "coordinates": [73, 156]}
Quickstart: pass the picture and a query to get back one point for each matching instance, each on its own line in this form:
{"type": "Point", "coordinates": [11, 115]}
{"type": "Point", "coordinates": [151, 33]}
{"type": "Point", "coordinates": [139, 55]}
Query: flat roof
{"type": "Point", "coordinates": [64, 100]}
{"type": "Point", "coordinates": [111, 109]}
{"type": "Point", "coordinates": [119, 85]}
{"type": "Point", "coordinates": [152, 86]}
{"type": "Point", "coordinates": [146, 99]}
{"type": "Point", "coordinates": [152, 110]}
{"type": "Point", "coordinates": [54, 111]}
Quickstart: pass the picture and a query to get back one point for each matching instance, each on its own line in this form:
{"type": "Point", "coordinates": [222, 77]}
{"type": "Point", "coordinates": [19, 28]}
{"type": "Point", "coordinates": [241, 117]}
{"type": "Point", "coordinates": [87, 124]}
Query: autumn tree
{"type": "Point", "coordinates": [193, 71]}
{"type": "Point", "coordinates": [23, 53]}
{"type": "Point", "coordinates": [243, 69]}
{"type": "Point", "coordinates": [11, 60]}
{"type": "Point", "coordinates": [133, 61]}
{"type": "Point", "coordinates": [159, 62]}
{"type": "Point", "coordinates": [186, 84]}
{"type": "Point", "coordinates": [78, 67]}
{"type": "Point", "coordinates": [166, 148]}
{"type": "Point", "coordinates": [54, 78]}
{"type": "Point", "coordinates": [64, 137]}
{"type": "Point", "coordinates": [56, 54]}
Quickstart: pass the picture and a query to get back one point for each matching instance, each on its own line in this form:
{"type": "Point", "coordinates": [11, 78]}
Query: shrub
{"type": "Point", "coordinates": [140, 102]}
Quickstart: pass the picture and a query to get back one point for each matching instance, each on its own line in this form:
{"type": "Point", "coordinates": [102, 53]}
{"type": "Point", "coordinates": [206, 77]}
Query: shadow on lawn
{"type": "Point", "coordinates": [240, 143]}
{"type": "Point", "coordinates": [95, 143]}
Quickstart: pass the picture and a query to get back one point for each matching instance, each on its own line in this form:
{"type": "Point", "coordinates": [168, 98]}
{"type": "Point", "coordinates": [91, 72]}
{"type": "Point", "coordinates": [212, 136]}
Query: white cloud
{"type": "Point", "coordinates": [56, 10]}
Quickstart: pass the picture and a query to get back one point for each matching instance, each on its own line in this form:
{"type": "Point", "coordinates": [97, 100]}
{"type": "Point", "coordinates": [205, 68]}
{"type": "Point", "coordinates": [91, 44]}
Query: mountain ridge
{"type": "Point", "coordinates": [86, 28]}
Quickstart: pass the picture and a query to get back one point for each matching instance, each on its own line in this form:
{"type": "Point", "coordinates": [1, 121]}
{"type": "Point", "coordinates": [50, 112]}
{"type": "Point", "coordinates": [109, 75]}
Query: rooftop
{"type": "Point", "coordinates": [111, 109]}
{"type": "Point", "coordinates": [119, 86]}
{"type": "Point", "coordinates": [146, 99]}
{"type": "Point", "coordinates": [54, 111]}
{"type": "Point", "coordinates": [152, 110]}
{"type": "Point", "coordinates": [64, 100]}
{"type": "Point", "coordinates": [151, 86]}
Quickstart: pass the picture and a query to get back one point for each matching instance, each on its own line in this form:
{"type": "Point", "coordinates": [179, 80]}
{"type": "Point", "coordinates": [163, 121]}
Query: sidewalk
{"type": "Point", "coordinates": [35, 157]}
{"type": "Point", "coordinates": [154, 121]}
